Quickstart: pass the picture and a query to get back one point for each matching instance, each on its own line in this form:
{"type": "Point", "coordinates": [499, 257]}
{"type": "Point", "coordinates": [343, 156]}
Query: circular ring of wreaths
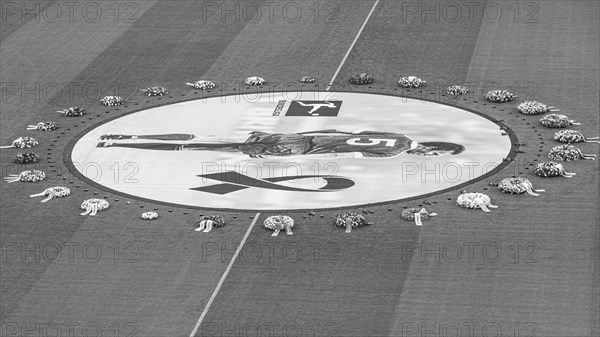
{"type": "Point", "coordinates": [27, 158]}
{"type": "Point", "coordinates": [456, 90]}
{"type": "Point", "coordinates": [149, 215]}
{"type": "Point", "coordinates": [568, 153]}
{"type": "Point", "coordinates": [91, 206]}
{"type": "Point", "coordinates": [362, 78]}
{"type": "Point", "coordinates": [73, 112]}
{"type": "Point", "coordinates": [26, 176]}
{"type": "Point", "coordinates": [155, 91]}
{"type": "Point", "coordinates": [411, 82]}
{"type": "Point", "coordinates": [112, 100]}
{"type": "Point", "coordinates": [254, 80]}
{"type": "Point", "coordinates": [557, 121]}
{"type": "Point", "coordinates": [307, 79]}
{"type": "Point", "coordinates": [499, 96]}
{"type": "Point", "coordinates": [53, 192]}
{"type": "Point", "coordinates": [202, 85]}
{"type": "Point", "coordinates": [551, 169]}
{"type": "Point", "coordinates": [23, 143]}
{"type": "Point", "coordinates": [534, 108]}
{"type": "Point", "coordinates": [517, 186]}
{"type": "Point", "coordinates": [573, 136]}
{"type": "Point", "coordinates": [475, 201]}
{"type": "Point", "coordinates": [43, 126]}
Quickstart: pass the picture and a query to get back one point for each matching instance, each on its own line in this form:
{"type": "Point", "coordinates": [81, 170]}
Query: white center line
{"type": "Point", "coordinates": [352, 46]}
{"type": "Point", "coordinates": [222, 280]}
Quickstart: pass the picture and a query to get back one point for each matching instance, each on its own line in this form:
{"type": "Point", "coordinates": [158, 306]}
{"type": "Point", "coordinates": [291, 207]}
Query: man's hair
{"type": "Point", "coordinates": [444, 146]}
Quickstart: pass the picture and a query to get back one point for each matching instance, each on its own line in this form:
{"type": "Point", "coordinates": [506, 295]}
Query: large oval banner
{"type": "Point", "coordinates": [294, 150]}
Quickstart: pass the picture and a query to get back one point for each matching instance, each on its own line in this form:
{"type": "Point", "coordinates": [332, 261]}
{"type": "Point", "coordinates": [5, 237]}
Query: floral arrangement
{"type": "Point", "coordinates": [411, 82]}
{"type": "Point", "coordinates": [499, 96]}
{"type": "Point", "coordinates": [278, 222]}
{"type": "Point", "coordinates": [155, 91]}
{"type": "Point", "coordinates": [350, 220]}
{"type": "Point", "coordinates": [112, 100]}
{"type": "Point", "coordinates": [551, 169]}
{"type": "Point", "coordinates": [568, 153]}
{"type": "Point", "coordinates": [208, 222]}
{"type": "Point", "coordinates": [202, 85]}
{"type": "Point", "coordinates": [573, 136]}
{"type": "Point", "coordinates": [307, 79]}
{"type": "Point", "coordinates": [457, 90]}
{"type": "Point", "coordinates": [534, 108]}
{"type": "Point", "coordinates": [518, 186]}
{"type": "Point", "coordinates": [149, 215]}
{"type": "Point", "coordinates": [22, 143]}
{"type": "Point", "coordinates": [416, 214]}
{"type": "Point", "coordinates": [362, 79]}
{"type": "Point", "coordinates": [27, 158]}
{"type": "Point", "coordinates": [92, 206]}
{"type": "Point", "coordinates": [43, 126]}
{"type": "Point", "coordinates": [474, 201]}
{"type": "Point", "coordinates": [73, 112]}
{"type": "Point", "coordinates": [26, 176]}
{"type": "Point", "coordinates": [53, 192]}
{"type": "Point", "coordinates": [254, 81]}
{"type": "Point", "coordinates": [557, 121]}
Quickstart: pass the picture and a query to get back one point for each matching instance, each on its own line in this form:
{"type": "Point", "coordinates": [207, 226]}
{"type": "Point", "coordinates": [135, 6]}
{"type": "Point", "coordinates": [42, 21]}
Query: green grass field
{"type": "Point", "coordinates": [123, 276]}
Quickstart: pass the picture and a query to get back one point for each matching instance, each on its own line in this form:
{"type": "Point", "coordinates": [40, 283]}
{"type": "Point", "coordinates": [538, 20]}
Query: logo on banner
{"type": "Point", "coordinates": [303, 108]}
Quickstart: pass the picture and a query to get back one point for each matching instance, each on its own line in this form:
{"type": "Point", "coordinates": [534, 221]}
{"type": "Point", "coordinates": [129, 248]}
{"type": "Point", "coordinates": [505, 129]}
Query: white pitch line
{"type": "Point", "coordinates": [222, 280]}
{"type": "Point", "coordinates": [352, 46]}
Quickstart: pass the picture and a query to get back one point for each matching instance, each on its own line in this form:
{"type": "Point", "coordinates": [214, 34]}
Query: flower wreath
{"type": "Point", "coordinates": [557, 121]}
{"type": "Point", "coordinates": [22, 143]}
{"type": "Point", "coordinates": [112, 100]}
{"type": "Point", "coordinates": [411, 82]}
{"type": "Point", "coordinates": [350, 220]}
{"type": "Point", "coordinates": [73, 112]}
{"type": "Point", "coordinates": [53, 192]}
{"type": "Point", "coordinates": [457, 90]}
{"type": "Point", "coordinates": [92, 206]}
{"type": "Point", "coordinates": [307, 79]}
{"type": "Point", "coordinates": [41, 126]}
{"type": "Point", "coordinates": [573, 136]}
{"type": "Point", "coordinates": [474, 201]}
{"type": "Point", "coordinates": [568, 153]}
{"type": "Point", "coordinates": [27, 158]}
{"type": "Point", "coordinates": [534, 108]}
{"type": "Point", "coordinates": [155, 91]}
{"type": "Point", "coordinates": [254, 81]}
{"type": "Point", "coordinates": [499, 96]}
{"type": "Point", "coordinates": [518, 186]}
{"type": "Point", "coordinates": [208, 222]}
{"type": "Point", "coordinates": [362, 79]}
{"type": "Point", "coordinates": [279, 222]}
{"type": "Point", "coordinates": [26, 176]}
{"type": "Point", "coordinates": [202, 85]}
{"type": "Point", "coordinates": [551, 169]}
{"type": "Point", "coordinates": [149, 215]}
{"type": "Point", "coordinates": [416, 214]}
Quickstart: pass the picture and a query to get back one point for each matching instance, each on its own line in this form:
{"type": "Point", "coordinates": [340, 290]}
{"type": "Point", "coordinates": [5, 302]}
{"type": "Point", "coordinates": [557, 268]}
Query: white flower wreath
{"type": "Point", "coordinates": [534, 108]}
{"type": "Point", "coordinates": [474, 201]}
{"type": "Point", "coordinates": [499, 96]}
{"type": "Point", "coordinates": [518, 186]}
{"type": "Point", "coordinates": [307, 79]}
{"type": "Point", "coordinates": [92, 206]}
{"type": "Point", "coordinates": [552, 169]}
{"type": "Point", "coordinates": [573, 136]}
{"type": "Point", "coordinates": [149, 215]}
{"type": "Point", "coordinates": [43, 126]}
{"type": "Point", "coordinates": [278, 222]}
{"type": "Point", "coordinates": [457, 90]}
{"type": "Point", "coordinates": [22, 143]}
{"type": "Point", "coordinates": [568, 153]}
{"type": "Point", "coordinates": [254, 81]}
{"type": "Point", "coordinates": [202, 85]}
{"type": "Point", "coordinates": [26, 176]}
{"type": "Point", "coordinates": [155, 91]}
{"type": "Point", "coordinates": [557, 121]}
{"type": "Point", "coordinates": [73, 112]}
{"type": "Point", "coordinates": [350, 220]}
{"type": "Point", "coordinates": [416, 214]}
{"type": "Point", "coordinates": [209, 222]}
{"type": "Point", "coordinates": [53, 192]}
{"type": "Point", "coordinates": [112, 100]}
{"type": "Point", "coordinates": [362, 78]}
{"type": "Point", "coordinates": [411, 82]}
